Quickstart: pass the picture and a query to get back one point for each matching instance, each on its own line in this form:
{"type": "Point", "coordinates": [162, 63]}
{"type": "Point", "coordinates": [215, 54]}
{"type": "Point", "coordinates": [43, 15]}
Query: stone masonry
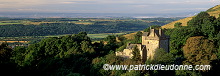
{"type": "Point", "coordinates": [150, 42]}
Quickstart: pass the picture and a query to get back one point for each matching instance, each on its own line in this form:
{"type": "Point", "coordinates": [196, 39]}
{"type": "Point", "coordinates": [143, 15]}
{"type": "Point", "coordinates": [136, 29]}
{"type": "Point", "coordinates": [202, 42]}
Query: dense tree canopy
{"type": "Point", "coordinates": [56, 56]}
{"type": "Point", "coordinates": [199, 51]}
{"type": "Point", "coordinates": [197, 43]}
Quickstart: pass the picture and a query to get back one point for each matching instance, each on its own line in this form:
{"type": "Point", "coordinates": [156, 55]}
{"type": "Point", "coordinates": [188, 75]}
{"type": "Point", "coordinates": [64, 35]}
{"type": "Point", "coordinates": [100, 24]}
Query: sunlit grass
{"type": "Point", "coordinates": [8, 23]}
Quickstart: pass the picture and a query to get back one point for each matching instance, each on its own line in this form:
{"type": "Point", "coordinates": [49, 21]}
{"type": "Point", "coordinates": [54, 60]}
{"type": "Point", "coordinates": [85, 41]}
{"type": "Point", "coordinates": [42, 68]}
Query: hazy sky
{"type": "Point", "coordinates": [107, 6]}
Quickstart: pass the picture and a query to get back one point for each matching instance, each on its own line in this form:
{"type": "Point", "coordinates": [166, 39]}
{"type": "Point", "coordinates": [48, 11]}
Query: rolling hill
{"type": "Point", "coordinates": [214, 11]}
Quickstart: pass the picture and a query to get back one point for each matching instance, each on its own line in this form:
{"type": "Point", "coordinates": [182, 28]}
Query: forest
{"type": "Point", "coordinates": [10, 27]}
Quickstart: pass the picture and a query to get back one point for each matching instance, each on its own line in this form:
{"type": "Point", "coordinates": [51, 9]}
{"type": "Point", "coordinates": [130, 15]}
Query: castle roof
{"type": "Point", "coordinates": [145, 34]}
{"type": "Point", "coordinates": [155, 34]}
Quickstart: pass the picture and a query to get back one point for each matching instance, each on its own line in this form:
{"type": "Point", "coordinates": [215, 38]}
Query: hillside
{"type": "Point", "coordinates": [214, 11]}
{"type": "Point", "coordinates": [130, 36]}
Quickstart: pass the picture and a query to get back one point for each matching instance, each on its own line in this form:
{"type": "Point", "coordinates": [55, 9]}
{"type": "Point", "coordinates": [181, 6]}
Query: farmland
{"type": "Point", "coordinates": [32, 30]}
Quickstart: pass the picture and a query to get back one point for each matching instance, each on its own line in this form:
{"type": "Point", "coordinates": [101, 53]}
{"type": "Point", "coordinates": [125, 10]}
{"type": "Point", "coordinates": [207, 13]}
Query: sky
{"type": "Point", "coordinates": [106, 6]}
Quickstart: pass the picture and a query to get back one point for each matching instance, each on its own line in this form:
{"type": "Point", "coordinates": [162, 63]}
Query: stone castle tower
{"type": "Point", "coordinates": [150, 42]}
{"type": "Point", "coordinates": [153, 40]}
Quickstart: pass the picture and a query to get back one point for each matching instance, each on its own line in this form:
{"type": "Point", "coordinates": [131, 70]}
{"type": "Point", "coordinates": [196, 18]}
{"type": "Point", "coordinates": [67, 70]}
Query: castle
{"type": "Point", "coordinates": [150, 42]}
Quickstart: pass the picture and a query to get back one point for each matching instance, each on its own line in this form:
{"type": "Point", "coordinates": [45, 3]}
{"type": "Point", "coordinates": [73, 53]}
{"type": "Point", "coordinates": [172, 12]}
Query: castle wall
{"type": "Point", "coordinates": [144, 53]}
{"type": "Point", "coordinates": [150, 42]}
{"type": "Point", "coordinates": [127, 53]}
{"type": "Point", "coordinates": [144, 42]}
{"type": "Point", "coordinates": [164, 44]}
{"type": "Point", "coordinates": [139, 46]}
{"type": "Point", "coordinates": [151, 46]}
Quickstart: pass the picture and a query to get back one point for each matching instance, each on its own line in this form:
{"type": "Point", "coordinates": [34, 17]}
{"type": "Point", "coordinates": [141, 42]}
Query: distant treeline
{"type": "Point", "coordinates": [68, 28]}
{"type": "Point", "coordinates": [58, 26]}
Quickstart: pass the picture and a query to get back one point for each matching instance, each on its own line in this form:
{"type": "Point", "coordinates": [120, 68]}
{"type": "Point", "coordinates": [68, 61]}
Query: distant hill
{"type": "Point", "coordinates": [214, 11]}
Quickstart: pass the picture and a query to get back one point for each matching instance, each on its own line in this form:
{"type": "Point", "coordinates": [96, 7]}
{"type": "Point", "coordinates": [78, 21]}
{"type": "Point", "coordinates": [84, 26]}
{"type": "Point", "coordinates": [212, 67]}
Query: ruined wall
{"type": "Point", "coordinates": [127, 53]}
{"type": "Point", "coordinates": [150, 42]}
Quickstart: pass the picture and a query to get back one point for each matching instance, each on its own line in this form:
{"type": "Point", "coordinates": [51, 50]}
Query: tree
{"type": "Point", "coordinates": [163, 57]}
{"type": "Point", "coordinates": [7, 65]}
{"type": "Point", "coordinates": [138, 37]}
{"type": "Point", "coordinates": [132, 73]}
{"type": "Point", "coordinates": [178, 24]}
{"type": "Point", "coordinates": [199, 51]}
{"type": "Point", "coordinates": [86, 47]}
{"type": "Point", "coordinates": [136, 54]}
{"type": "Point", "coordinates": [187, 73]}
{"type": "Point", "coordinates": [111, 43]}
{"type": "Point", "coordinates": [18, 55]}
{"type": "Point", "coordinates": [152, 27]}
{"type": "Point", "coordinates": [209, 27]}
{"type": "Point", "coordinates": [110, 39]}
{"type": "Point", "coordinates": [5, 53]}
{"type": "Point", "coordinates": [178, 37]}
{"type": "Point", "coordinates": [202, 15]}
{"type": "Point", "coordinates": [121, 38]}
{"type": "Point", "coordinates": [198, 20]}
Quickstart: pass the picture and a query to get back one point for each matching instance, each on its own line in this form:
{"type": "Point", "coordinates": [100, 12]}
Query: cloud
{"type": "Point", "coordinates": [27, 3]}
{"type": "Point", "coordinates": [19, 3]}
{"type": "Point", "coordinates": [118, 1]}
{"type": "Point", "coordinates": [141, 6]}
{"type": "Point", "coordinates": [67, 2]}
{"type": "Point", "coordinates": [49, 10]}
{"type": "Point", "coordinates": [185, 1]}
{"type": "Point", "coordinates": [106, 6]}
{"type": "Point", "coordinates": [177, 9]}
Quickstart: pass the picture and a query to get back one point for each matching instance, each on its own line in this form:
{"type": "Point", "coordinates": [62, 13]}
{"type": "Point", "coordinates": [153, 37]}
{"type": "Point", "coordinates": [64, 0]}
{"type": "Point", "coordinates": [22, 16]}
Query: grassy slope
{"type": "Point", "coordinates": [214, 11]}
{"type": "Point", "coordinates": [130, 36]}
{"type": "Point", "coordinates": [183, 21]}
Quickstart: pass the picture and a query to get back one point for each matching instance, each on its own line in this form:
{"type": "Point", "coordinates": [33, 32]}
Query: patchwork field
{"type": "Point", "coordinates": [23, 30]}
{"type": "Point", "coordinates": [33, 39]}
{"type": "Point", "coordinates": [103, 35]}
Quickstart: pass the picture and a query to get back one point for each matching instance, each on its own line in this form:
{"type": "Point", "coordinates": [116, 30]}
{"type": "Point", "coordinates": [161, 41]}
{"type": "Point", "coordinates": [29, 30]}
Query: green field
{"type": "Point", "coordinates": [93, 36]}
{"type": "Point", "coordinates": [103, 35]}
{"type": "Point", "coordinates": [26, 39]}
{"type": "Point", "coordinates": [8, 23]}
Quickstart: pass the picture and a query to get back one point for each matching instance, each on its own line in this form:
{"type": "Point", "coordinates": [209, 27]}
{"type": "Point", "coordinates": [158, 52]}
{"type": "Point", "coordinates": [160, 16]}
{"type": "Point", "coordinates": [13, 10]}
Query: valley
{"type": "Point", "coordinates": [31, 30]}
